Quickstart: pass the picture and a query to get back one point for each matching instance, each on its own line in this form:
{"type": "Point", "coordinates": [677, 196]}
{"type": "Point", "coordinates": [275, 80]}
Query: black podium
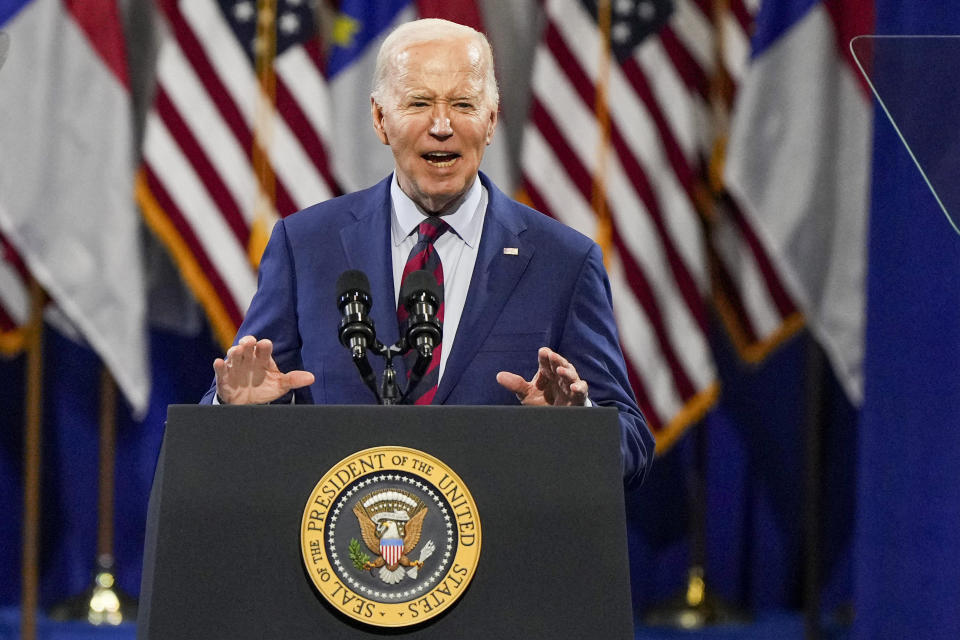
{"type": "Point", "coordinates": [223, 550]}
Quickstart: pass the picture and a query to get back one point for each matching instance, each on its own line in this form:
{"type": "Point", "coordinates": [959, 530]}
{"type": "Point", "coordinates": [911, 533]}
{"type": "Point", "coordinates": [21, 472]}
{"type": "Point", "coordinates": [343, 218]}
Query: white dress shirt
{"type": "Point", "coordinates": [457, 249]}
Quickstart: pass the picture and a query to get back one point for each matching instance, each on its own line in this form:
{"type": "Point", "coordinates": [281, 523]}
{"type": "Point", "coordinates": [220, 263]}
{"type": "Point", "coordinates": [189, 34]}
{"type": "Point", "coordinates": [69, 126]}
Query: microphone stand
{"type": "Point", "coordinates": [389, 391]}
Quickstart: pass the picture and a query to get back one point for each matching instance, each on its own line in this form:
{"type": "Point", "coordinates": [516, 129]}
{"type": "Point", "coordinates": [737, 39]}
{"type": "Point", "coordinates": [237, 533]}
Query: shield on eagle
{"type": "Point", "coordinates": [391, 549]}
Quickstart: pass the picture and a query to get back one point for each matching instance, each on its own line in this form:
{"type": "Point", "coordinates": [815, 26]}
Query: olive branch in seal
{"type": "Point", "coordinates": [357, 556]}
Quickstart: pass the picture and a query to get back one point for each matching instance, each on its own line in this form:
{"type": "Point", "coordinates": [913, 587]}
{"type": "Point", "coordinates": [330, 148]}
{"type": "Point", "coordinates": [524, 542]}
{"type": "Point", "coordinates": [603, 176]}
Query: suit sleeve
{"type": "Point", "coordinates": [590, 341]}
{"type": "Point", "coordinates": [273, 311]}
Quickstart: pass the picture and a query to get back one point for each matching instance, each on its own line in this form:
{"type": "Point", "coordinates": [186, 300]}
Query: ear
{"type": "Point", "coordinates": [376, 112]}
{"type": "Point", "coordinates": [492, 125]}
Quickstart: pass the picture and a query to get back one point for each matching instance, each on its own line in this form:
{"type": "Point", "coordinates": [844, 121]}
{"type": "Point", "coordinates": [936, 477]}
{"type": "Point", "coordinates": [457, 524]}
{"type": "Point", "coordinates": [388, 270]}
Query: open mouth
{"type": "Point", "coordinates": [441, 159]}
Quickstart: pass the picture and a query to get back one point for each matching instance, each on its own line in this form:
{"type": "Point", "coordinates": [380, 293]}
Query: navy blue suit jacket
{"type": "Point", "coordinates": [554, 292]}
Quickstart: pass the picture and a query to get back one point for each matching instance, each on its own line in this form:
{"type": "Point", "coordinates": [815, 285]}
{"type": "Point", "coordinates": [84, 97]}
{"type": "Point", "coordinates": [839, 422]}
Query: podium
{"type": "Point", "coordinates": [223, 555]}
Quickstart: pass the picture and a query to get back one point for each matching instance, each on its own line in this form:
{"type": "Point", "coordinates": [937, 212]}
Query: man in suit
{"type": "Point", "coordinates": [520, 289]}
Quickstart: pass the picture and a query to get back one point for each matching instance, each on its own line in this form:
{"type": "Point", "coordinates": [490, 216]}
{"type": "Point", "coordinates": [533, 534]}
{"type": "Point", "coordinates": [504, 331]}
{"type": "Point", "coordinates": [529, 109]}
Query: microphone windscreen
{"type": "Point", "coordinates": [421, 280]}
{"type": "Point", "coordinates": [352, 280]}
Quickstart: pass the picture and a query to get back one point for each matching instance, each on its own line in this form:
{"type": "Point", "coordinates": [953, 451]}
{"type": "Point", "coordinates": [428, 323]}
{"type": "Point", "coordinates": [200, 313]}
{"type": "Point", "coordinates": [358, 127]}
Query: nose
{"type": "Point", "coordinates": [441, 129]}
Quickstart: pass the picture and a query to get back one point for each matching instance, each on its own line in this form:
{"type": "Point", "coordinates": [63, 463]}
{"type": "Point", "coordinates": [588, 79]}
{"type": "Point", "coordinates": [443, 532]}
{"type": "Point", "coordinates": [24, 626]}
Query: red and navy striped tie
{"type": "Point", "coordinates": [424, 256]}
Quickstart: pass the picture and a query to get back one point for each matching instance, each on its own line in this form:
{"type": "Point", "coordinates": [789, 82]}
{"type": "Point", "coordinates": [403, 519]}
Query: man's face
{"type": "Point", "coordinates": [436, 121]}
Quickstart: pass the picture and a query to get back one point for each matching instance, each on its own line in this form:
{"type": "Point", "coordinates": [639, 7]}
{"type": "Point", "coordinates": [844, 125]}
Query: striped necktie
{"type": "Point", "coordinates": [424, 256]}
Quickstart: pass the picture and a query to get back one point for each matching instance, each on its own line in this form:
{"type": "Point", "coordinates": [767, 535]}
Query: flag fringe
{"type": "Point", "coordinates": [197, 281]}
{"type": "Point", "coordinates": [755, 351]}
{"type": "Point", "coordinates": [12, 342]}
{"type": "Point", "coordinates": [692, 413]}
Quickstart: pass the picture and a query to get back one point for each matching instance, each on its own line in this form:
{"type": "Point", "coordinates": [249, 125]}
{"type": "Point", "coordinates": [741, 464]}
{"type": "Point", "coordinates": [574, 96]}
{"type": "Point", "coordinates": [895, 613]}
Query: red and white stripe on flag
{"type": "Point", "coordinates": [198, 186]}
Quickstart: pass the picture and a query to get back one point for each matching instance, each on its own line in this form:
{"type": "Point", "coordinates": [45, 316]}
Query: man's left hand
{"type": "Point", "coordinates": [556, 382]}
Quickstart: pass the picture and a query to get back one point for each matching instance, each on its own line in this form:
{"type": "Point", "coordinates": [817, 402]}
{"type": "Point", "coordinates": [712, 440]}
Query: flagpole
{"type": "Point", "coordinates": [107, 605]}
{"type": "Point", "coordinates": [108, 440]}
{"type": "Point", "coordinates": [103, 603]}
{"type": "Point", "coordinates": [814, 425]}
{"type": "Point", "coordinates": [598, 188]}
{"type": "Point", "coordinates": [265, 54]}
{"type": "Point", "coordinates": [32, 461]}
{"type": "Point", "coordinates": [697, 606]}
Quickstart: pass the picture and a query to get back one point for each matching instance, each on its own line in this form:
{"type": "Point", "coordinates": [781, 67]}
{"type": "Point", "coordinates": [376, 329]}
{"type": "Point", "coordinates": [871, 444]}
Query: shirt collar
{"type": "Point", "coordinates": [406, 216]}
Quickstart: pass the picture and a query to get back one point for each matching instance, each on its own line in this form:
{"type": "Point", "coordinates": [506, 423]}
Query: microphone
{"type": "Point", "coordinates": [353, 299]}
{"type": "Point", "coordinates": [422, 297]}
{"type": "Point", "coordinates": [356, 330]}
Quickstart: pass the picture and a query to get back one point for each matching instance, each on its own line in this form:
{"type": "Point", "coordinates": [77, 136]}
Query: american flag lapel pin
{"type": "Point", "coordinates": [511, 251]}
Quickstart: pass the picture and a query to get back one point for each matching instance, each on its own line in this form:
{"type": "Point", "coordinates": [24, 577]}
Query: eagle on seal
{"type": "Point", "coordinates": [391, 541]}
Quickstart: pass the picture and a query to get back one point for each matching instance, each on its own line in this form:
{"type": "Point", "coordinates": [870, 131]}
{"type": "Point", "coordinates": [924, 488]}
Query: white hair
{"type": "Point", "coordinates": [427, 30]}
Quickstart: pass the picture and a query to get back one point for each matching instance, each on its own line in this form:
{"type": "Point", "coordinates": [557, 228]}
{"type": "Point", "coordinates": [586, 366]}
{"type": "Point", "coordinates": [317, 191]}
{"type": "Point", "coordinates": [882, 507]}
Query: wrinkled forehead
{"type": "Point", "coordinates": [455, 60]}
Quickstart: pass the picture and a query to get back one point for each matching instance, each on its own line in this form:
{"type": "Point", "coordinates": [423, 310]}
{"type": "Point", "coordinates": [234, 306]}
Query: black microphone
{"type": "Point", "coordinates": [422, 297]}
{"type": "Point", "coordinates": [356, 330]}
{"type": "Point", "coordinates": [353, 299]}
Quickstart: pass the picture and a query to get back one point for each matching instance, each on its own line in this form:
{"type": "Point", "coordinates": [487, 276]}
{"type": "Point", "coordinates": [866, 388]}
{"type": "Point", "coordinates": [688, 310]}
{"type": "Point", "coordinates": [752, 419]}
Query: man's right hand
{"type": "Point", "coordinates": [249, 375]}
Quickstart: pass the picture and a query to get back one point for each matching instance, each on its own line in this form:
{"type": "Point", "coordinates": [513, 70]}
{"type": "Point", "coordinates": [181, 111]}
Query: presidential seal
{"type": "Point", "coordinates": [390, 536]}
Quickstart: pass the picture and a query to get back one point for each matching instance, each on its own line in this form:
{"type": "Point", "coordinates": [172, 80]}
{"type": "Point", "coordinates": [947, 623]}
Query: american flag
{"type": "Point", "coordinates": [236, 137]}
{"type": "Point", "coordinates": [618, 145]}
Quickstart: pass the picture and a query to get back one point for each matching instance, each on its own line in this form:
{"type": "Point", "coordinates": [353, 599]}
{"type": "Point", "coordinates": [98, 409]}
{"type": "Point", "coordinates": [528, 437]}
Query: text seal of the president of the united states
{"type": "Point", "coordinates": [390, 536]}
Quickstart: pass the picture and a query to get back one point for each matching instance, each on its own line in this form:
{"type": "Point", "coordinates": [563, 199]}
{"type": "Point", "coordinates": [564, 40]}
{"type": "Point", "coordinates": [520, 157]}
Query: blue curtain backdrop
{"type": "Point", "coordinates": [754, 494]}
{"type": "Point", "coordinates": [908, 500]}
{"type": "Point", "coordinates": [181, 373]}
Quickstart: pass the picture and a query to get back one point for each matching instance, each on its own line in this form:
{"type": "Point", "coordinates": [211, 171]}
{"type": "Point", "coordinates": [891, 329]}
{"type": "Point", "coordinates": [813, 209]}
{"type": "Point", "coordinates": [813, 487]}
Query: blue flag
{"type": "Point", "coordinates": [360, 23]}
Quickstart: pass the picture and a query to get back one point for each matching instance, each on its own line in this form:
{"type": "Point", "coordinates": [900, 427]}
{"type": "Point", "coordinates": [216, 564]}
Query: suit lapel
{"type": "Point", "coordinates": [495, 275]}
{"type": "Point", "coordinates": [366, 244]}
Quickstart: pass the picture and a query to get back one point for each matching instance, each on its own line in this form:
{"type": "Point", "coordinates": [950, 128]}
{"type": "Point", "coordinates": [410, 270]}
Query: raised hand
{"type": "Point", "coordinates": [556, 382]}
{"type": "Point", "coordinates": [249, 375]}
